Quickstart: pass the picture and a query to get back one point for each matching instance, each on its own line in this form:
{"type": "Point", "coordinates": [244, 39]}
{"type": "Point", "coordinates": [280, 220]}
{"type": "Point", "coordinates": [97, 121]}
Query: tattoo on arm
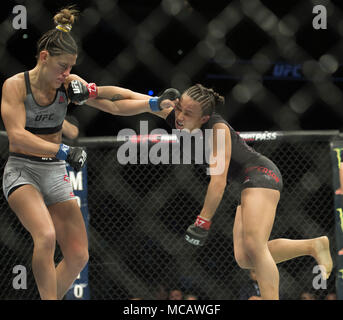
{"type": "Point", "coordinates": [116, 97]}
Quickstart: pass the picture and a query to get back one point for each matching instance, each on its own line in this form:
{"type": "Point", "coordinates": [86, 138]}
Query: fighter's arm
{"type": "Point", "coordinates": [70, 127]}
{"type": "Point", "coordinates": [121, 98]}
{"type": "Point", "coordinates": [219, 164]}
{"type": "Point", "coordinates": [14, 117]}
{"type": "Point", "coordinates": [114, 93]}
{"type": "Point", "coordinates": [120, 101]}
{"type": "Point", "coordinates": [218, 169]}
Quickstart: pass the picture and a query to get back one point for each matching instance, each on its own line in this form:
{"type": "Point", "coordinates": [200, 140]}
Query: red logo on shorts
{"type": "Point", "coordinates": [61, 100]}
{"type": "Point", "coordinates": [265, 171]}
{"type": "Point", "coordinates": [72, 194]}
{"type": "Point", "coordinates": [66, 178]}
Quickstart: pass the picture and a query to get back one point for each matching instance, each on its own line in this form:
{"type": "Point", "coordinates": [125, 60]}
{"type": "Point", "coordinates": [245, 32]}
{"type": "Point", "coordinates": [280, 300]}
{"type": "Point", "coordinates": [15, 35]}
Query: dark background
{"type": "Point", "coordinates": [236, 47]}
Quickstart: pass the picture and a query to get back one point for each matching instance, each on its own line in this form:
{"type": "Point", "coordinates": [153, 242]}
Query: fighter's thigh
{"type": "Point", "coordinates": [258, 208]}
{"type": "Point", "coordinates": [69, 224]}
{"type": "Point", "coordinates": [28, 204]}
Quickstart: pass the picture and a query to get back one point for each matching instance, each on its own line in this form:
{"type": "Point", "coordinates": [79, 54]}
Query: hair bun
{"type": "Point", "coordinates": [65, 18]}
{"type": "Point", "coordinates": [219, 99]}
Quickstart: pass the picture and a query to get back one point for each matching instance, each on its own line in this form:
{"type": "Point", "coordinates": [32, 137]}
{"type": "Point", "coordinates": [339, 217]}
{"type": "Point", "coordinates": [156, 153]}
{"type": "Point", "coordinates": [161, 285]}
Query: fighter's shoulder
{"type": "Point", "coordinates": [216, 121]}
{"type": "Point", "coordinates": [15, 84]}
{"type": "Point", "coordinates": [220, 128]}
{"type": "Point", "coordinates": [221, 125]}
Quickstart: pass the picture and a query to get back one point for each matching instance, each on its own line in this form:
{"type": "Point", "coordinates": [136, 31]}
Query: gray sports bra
{"type": "Point", "coordinates": [44, 119]}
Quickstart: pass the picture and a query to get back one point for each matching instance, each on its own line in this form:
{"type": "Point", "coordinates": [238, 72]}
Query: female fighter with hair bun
{"type": "Point", "coordinates": [35, 180]}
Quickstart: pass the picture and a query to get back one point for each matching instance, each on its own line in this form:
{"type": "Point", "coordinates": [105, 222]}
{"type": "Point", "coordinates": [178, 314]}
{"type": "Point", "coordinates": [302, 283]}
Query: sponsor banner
{"type": "Point", "coordinates": [337, 169]}
{"type": "Point", "coordinates": [174, 138]}
{"type": "Point", "coordinates": [80, 288]}
{"type": "Point", "coordinates": [259, 136]}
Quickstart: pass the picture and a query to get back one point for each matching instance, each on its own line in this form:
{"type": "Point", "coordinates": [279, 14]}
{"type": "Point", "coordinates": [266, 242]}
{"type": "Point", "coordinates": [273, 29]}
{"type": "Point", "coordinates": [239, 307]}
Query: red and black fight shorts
{"type": "Point", "coordinates": [262, 174]}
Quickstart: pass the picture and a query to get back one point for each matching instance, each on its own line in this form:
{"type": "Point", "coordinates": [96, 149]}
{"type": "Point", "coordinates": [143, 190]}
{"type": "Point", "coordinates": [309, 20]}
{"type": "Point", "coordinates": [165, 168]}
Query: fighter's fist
{"type": "Point", "coordinates": [75, 156]}
{"type": "Point", "coordinates": [80, 93]}
{"type": "Point", "coordinates": [197, 233]}
{"type": "Point", "coordinates": [165, 100]}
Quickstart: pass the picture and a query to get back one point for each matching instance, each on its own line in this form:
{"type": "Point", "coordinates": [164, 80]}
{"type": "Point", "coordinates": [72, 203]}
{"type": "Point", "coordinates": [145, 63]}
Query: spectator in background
{"type": "Point", "coordinates": [331, 296]}
{"type": "Point", "coordinates": [307, 296]}
{"type": "Point", "coordinates": [161, 293]}
{"type": "Point", "coordinates": [191, 297]}
{"type": "Point", "coordinates": [175, 294]}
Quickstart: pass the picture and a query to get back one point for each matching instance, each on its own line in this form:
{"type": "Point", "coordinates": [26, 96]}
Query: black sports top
{"type": "Point", "coordinates": [242, 155]}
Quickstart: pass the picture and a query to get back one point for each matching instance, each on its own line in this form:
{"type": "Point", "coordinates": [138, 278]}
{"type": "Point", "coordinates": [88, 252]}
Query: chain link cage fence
{"type": "Point", "coordinates": [138, 214]}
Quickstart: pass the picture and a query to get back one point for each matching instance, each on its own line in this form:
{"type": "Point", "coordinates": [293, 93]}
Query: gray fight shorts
{"type": "Point", "coordinates": [48, 175]}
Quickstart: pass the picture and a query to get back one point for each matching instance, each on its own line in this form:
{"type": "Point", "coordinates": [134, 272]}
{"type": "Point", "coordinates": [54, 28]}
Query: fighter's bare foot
{"type": "Point", "coordinates": [321, 252]}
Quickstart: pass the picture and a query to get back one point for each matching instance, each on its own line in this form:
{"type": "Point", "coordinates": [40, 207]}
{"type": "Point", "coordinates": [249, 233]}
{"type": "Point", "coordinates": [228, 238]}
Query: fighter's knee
{"type": "Point", "coordinates": [83, 259]}
{"type": "Point", "coordinates": [253, 247]}
{"type": "Point", "coordinates": [77, 257]}
{"type": "Point", "coordinates": [45, 240]}
{"type": "Point", "coordinates": [242, 259]}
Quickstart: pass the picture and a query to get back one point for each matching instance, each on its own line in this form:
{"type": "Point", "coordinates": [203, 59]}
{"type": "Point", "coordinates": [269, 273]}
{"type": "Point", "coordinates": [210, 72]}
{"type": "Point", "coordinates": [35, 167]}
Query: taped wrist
{"type": "Point", "coordinates": [93, 90]}
{"type": "Point", "coordinates": [154, 105]}
{"type": "Point", "coordinates": [63, 152]}
{"type": "Point", "coordinates": [202, 223]}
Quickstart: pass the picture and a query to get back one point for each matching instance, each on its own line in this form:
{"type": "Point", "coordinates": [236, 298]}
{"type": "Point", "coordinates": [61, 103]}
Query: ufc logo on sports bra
{"type": "Point", "coordinates": [43, 117]}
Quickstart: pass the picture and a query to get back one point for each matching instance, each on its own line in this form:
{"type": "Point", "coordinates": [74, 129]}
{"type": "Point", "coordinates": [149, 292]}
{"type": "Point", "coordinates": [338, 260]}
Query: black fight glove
{"type": "Point", "coordinates": [197, 233]}
{"type": "Point", "coordinates": [80, 93]}
{"type": "Point", "coordinates": [75, 156]}
{"type": "Point", "coordinates": [156, 103]}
